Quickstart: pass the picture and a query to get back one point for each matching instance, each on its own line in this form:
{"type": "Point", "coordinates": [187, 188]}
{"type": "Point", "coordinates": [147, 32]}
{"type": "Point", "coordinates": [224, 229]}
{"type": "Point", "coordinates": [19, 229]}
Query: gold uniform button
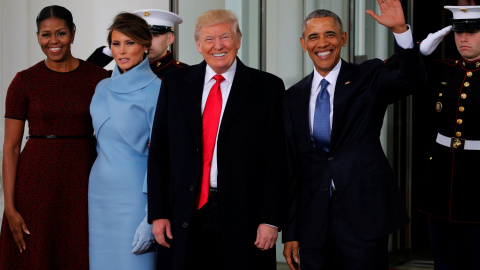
{"type": "Point", "coordinates": [431, 158]}
{"type": "Point", "coordinates": [466, 84]}
{"type": "Point", "coordinates": [459, 121]}
{"type": "Point", "coordinates": [178, 63]}
{"type": "Point", "coordinates": [458, 134]}
{"type": "Point", "coordinates": [461, 109]}
{"type": "Point", "coordinates": [440, 94]}
{"type": "Point", "coordinates": [464, 96]}
{"type": "Point", "coordinates": [469, 74]}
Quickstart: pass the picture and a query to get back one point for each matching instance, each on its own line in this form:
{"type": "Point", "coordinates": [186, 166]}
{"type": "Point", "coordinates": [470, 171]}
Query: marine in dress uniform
{"type": "Point", "coordinates": [161, 59]}
{"type": "Point", "coordinates": [451, 189]}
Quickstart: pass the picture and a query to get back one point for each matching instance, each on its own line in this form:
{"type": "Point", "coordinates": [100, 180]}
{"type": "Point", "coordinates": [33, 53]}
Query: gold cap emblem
{"type": "Point", "coordinates": [146, 13]}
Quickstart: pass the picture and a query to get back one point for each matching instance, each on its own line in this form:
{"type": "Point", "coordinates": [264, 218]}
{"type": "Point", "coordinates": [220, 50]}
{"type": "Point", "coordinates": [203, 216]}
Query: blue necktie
{"type": "Point", "coordinates": [321, 118]}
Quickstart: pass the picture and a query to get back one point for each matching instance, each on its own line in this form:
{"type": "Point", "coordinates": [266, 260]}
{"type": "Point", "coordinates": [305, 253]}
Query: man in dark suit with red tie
{"type": "Point", "coordinates": [345, 199]}
{"type": "Point", "coordinates": [217, 162]}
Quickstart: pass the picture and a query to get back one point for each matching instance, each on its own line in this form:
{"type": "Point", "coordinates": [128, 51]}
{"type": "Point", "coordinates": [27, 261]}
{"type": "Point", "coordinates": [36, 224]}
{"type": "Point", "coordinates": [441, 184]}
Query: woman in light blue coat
{"type": "Point", "coordinates": [122, 110]}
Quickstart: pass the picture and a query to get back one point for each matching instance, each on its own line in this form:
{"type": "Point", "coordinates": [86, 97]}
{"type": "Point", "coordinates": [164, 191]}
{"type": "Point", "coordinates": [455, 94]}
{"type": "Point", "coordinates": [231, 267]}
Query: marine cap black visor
{"type": "Point", "coordinates": [466, 25]}
{"type": "Point", "coordinates": [160, 29]}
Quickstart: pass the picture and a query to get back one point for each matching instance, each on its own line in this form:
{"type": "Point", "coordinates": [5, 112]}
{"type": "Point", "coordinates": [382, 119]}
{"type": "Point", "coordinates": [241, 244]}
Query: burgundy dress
{"type": "Point", "coordinates": [52, 177]}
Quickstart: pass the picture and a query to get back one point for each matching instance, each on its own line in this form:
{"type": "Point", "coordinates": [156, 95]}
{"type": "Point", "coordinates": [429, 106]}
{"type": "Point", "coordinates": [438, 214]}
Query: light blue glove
{"type": "Point", "coordinates": [430, 43]}
{"type": "Point", "coordinates": [144, 240]}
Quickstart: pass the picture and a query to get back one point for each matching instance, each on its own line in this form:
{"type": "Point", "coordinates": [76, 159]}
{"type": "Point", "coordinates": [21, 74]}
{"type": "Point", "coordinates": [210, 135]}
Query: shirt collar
{"type": "Point", "coordinates": [228, 75]}
{"type": "Point", "coordinates": [331, 76]}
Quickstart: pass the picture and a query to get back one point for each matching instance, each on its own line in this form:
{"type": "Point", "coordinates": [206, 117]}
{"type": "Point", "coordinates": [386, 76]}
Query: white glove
{"type": "Point", "coordinates": [144, 238]}
{"type": "Point", "coordinates": [429, 44]}
{"type": "Point", "coordinates": [107, 51]}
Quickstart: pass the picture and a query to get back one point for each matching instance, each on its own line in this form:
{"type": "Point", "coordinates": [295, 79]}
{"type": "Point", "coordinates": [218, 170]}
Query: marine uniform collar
{"type": "Point", "coordinates": [162, 61]}
{"type": "Point", "coordinates": [467, 65]}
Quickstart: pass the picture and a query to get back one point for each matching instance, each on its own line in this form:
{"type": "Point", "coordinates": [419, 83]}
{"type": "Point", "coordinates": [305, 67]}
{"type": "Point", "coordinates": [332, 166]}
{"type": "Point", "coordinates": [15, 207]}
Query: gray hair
{"type": "Point", "coordinates": [322, 13]}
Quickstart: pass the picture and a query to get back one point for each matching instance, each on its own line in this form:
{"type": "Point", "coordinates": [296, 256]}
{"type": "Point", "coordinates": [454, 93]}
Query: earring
{"type": "Point", "coordinates": [146, 52]}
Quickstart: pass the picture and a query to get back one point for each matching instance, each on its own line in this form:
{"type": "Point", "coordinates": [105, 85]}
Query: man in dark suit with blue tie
{"type": "Point", "coordinates": [217, 164]}
{"type": "Point", "coordinates": [345, 200]}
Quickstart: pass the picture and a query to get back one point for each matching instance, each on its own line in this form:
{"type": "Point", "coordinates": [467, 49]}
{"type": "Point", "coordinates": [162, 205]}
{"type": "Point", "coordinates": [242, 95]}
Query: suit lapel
{"type": "Point", "coordinates": [241, 90]}
{"type": "Point", "coordinates": [303, 108]}
{"type": "Point", "coordinates": [193, 97]}
{"type": "Point", "coordinates": [342, 92]}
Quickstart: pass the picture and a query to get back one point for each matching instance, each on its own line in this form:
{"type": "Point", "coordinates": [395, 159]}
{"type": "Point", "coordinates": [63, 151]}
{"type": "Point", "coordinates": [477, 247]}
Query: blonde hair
{"type": "Point", "coordinates": [216, 16]}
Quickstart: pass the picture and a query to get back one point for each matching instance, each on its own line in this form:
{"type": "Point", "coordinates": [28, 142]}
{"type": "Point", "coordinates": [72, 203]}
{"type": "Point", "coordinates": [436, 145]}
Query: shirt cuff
{"type": "Point", "coordinates": [271, 225]}
{"type": "Point", "coordinates": [405, 39]}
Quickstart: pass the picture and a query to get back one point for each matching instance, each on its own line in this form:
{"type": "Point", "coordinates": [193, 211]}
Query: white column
{"type": "Point", "coordinates": [284, 28]}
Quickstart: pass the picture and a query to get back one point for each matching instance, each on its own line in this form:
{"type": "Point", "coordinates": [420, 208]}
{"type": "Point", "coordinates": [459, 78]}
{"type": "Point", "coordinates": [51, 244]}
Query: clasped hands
{"type": "Point", "coordinates": [143, 239]}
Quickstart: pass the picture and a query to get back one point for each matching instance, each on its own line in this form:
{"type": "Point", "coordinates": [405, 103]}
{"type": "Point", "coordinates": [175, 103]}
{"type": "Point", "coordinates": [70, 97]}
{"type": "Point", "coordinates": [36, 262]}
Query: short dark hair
{"type": "Point", "coordinates": [56, 12]}
{"type": "Point", "coordinates": [322, 13]}
{"type": "Point", "coordinates": [132, 26]}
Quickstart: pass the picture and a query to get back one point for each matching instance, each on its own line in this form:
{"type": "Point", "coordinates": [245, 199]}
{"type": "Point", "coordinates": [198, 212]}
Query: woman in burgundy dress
{"type": "Point", "coordinates": [45, 219]}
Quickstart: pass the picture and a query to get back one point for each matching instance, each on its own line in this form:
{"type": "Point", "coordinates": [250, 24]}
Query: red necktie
{"type": "Point", "coordinates": [210, 121]}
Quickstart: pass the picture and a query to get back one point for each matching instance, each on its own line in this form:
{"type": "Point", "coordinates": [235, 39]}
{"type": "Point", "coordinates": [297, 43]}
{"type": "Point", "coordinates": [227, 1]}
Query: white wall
{"type": "Point", "coordinates": [284, 56]}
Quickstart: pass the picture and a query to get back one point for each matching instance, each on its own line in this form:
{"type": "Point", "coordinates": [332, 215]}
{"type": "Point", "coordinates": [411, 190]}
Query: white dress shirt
{"type": "Point", "coordinates": [225, 87]}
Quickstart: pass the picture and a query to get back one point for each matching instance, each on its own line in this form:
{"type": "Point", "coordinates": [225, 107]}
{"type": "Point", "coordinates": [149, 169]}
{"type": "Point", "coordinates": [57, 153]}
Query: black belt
{"type": "Point", "coordinates": [213, 192]}
{"type": "Point", "coordinates": [59, 137]}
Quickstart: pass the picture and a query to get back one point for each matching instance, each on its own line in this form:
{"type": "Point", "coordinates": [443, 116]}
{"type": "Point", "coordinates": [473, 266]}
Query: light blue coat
{"type": "Point", "coordinates": [122, 109]}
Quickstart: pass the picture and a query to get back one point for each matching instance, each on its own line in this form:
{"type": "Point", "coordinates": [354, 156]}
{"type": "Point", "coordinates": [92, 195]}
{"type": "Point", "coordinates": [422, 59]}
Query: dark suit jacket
{"type": "Point", "coordinates": [364, 180]}
{"type": "Point", "coordinates": [251, 154]}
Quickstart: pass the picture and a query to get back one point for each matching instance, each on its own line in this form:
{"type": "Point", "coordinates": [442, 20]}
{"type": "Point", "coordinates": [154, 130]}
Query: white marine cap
{"type": "Point", "coordinates": [160, 21]}
{"type": "Point", "coordinates": [464, 12]}
{"type": "Point", "coordinates": [465, 18]}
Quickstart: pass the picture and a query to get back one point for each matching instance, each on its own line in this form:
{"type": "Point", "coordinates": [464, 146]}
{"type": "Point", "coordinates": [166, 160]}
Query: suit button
{"type": "Point", "coordinates": [192, 188]}
{"type": "Point", "coordinates": [185, 225]}
{"type": "Point", "coordinates": [330, 158]}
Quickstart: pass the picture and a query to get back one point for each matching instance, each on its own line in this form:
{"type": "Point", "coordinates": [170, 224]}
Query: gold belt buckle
{"type": "Point", "coordinates": [457, 143]}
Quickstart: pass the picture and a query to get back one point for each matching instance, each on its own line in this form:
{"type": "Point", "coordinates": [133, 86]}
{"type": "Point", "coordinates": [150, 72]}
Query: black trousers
{"type": "Point", "coordinates": [204, 240]}
{"type": "Point", "coordinates": [344, 250]}
{"type": "Point", "coordinates": [455, 245]}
